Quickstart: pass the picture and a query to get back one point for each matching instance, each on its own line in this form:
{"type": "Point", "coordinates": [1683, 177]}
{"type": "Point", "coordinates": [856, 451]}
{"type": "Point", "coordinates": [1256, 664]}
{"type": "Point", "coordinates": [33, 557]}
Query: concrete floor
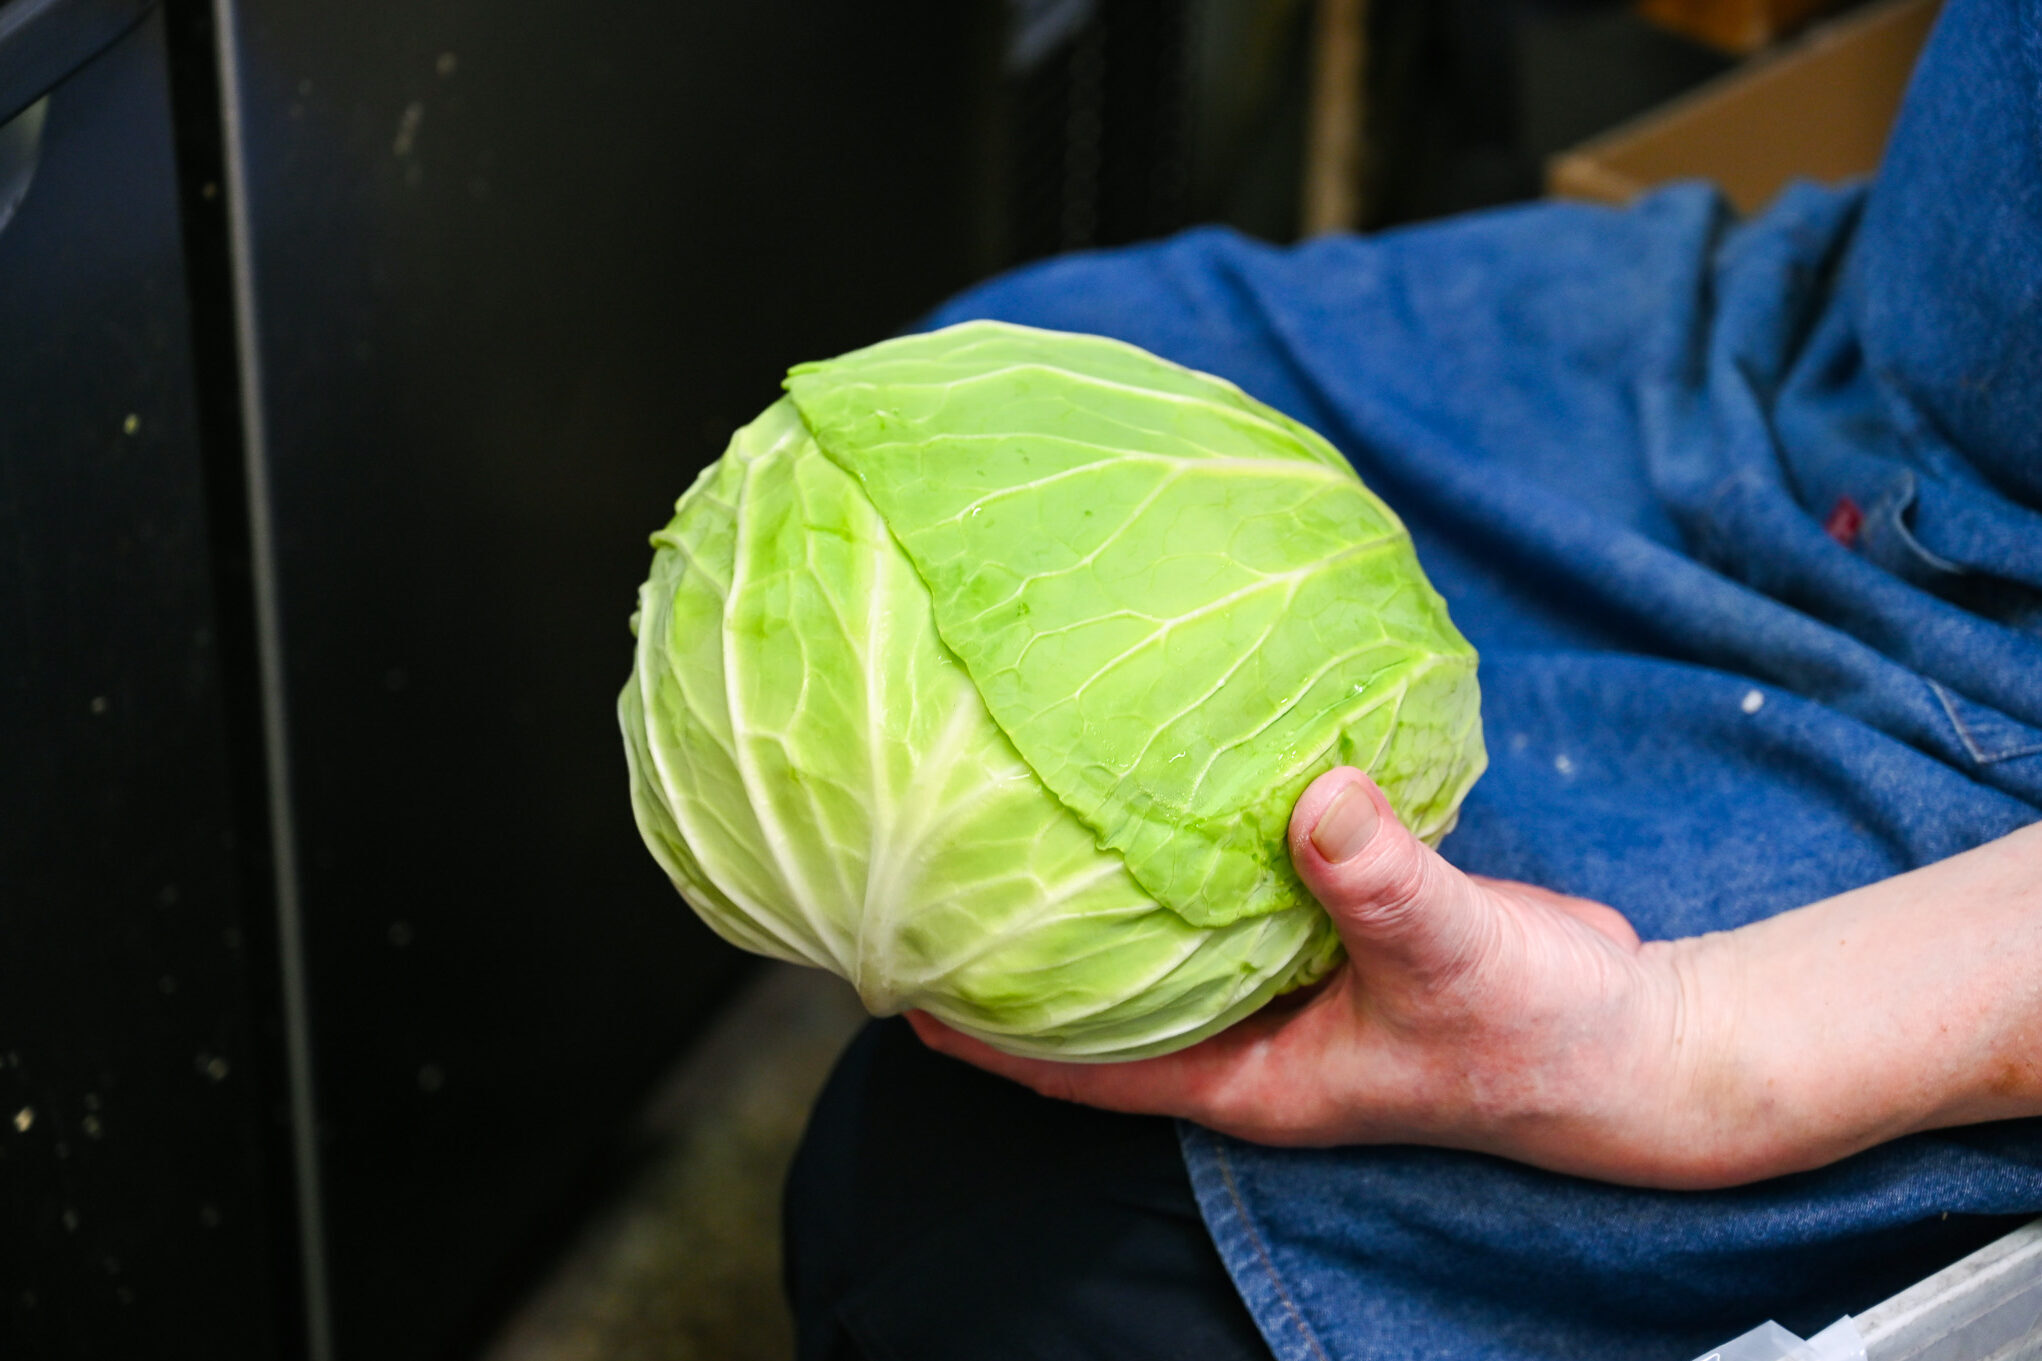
{"type": "Point", "coordinates": [685, 1266]}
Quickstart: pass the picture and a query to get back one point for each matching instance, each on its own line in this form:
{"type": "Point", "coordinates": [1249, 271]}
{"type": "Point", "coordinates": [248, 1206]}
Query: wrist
{"type": "Point", "coordinates": [1710, 1123]}
{"type": "Point", "coordinates": [1651, 1087]}
{"type": "Point", "coordinates": [1678, 1102]}
{"type": "Point", "coordinates": [1751, 1083]}
{"type": "Point", "coordinates": [1657, 1091]}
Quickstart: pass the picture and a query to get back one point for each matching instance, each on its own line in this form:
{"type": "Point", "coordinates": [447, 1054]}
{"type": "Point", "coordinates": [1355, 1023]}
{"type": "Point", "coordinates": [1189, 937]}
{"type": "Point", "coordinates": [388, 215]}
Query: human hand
{"type": "Point", "coordinates": [1471, 1013]}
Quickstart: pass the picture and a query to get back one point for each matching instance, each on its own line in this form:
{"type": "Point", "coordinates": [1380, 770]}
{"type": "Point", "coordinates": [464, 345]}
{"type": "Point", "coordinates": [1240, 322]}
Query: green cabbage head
{"type": "Point", "coordinates": [983, 670]}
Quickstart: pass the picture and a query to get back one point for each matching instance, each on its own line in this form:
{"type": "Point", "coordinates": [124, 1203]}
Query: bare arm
{"type": "Point", "coordinates": [1496, 1016]}
{"type": "Point", "coordinates": [1910, 1004]}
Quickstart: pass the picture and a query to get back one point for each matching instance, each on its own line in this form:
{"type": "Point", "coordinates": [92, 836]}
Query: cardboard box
{"type": "Point", "coordinates": [1739, 26]}
{"type": "Point", "coordinates": [1819, 108]}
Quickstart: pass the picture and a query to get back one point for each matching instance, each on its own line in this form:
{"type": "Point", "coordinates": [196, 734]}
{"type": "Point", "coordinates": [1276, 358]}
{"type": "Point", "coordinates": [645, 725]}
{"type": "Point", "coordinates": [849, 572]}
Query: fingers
{"type": "Point", "coordinates": [1395, 902]}
{"type": "Point", "coordinates": [1242, 1081]}
{"type": "Point", "coordinates": [1143, 1086]}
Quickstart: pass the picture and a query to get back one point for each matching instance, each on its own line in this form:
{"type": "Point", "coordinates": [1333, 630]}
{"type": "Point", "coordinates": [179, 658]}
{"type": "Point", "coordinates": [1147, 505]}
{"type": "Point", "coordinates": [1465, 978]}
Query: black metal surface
{"type": "Point", "coordinates": [137, 1138]}
{"type": "Point", "coordinates": [1099, 132]}
{"type": "Point", "coordinates": [42, 41]}
{"type": "Point", "coordinates": [519, 269]}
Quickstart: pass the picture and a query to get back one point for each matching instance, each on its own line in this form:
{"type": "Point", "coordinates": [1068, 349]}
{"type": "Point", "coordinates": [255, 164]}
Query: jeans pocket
{"type": "Point", "coordinates": [1887, 540]}
{"type": "Point", "coordinates": [1987, 734]}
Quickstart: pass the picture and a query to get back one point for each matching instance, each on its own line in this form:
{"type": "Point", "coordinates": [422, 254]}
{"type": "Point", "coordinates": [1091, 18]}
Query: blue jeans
{"type": "Point", "coordinates": [1743, 518]}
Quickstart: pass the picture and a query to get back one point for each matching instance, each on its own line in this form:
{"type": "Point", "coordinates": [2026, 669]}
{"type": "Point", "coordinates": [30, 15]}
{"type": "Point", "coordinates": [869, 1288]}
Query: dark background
{"type": "Point", "coordinates": [342, 378]}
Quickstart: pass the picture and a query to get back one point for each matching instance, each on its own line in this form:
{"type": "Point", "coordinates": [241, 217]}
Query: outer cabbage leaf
{"type": "Point", "coordinates": [819, 776]}
{"type": "Point", "coordinates": [1179, 605]}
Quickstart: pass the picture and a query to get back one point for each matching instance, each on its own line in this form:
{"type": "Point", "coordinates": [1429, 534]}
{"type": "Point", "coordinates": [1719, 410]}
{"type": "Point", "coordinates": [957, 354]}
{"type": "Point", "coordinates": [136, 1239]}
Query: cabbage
{"type": "Point", "coordinates": [983, 670]}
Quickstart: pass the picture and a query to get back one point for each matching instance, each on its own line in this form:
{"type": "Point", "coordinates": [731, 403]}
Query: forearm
{"type": "Point", "coordinates": [1914, 1003]}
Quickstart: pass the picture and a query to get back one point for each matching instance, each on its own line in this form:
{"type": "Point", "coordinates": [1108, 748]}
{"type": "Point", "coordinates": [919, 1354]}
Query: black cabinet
{"type": "Point", "coordinates": [347, 357]}
{"type": "Point", "coordinates": [516, 272]}
{"type": "Point", "coordinates": [138, 1138]}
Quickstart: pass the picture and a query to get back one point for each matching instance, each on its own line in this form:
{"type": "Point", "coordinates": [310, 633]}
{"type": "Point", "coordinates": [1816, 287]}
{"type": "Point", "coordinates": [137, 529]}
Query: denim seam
{"type": "Point", "coordinates": [1262, 1253]}
{"type": "Point", "coordinates": [1978, 753]}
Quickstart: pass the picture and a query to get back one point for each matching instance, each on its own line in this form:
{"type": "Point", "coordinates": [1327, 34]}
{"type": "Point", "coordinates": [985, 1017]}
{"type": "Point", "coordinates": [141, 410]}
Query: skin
{"type": "Point", "coordinates": [1484, 1014]}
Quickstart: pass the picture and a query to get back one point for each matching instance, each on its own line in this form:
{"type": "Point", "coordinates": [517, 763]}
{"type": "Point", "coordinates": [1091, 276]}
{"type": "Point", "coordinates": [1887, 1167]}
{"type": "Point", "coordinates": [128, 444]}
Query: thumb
{"type": "Point", "coordinates": [1395, 902]}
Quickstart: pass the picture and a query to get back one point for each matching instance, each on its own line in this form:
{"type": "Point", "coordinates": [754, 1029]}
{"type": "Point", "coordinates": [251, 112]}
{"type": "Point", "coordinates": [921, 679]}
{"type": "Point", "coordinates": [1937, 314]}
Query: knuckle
{"type": "Point", "coordinates": [1395, 885]}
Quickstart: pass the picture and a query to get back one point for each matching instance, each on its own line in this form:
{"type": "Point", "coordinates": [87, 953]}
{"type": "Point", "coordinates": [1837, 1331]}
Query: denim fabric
{"type": "Point", "coordinates": [1743, 518]}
